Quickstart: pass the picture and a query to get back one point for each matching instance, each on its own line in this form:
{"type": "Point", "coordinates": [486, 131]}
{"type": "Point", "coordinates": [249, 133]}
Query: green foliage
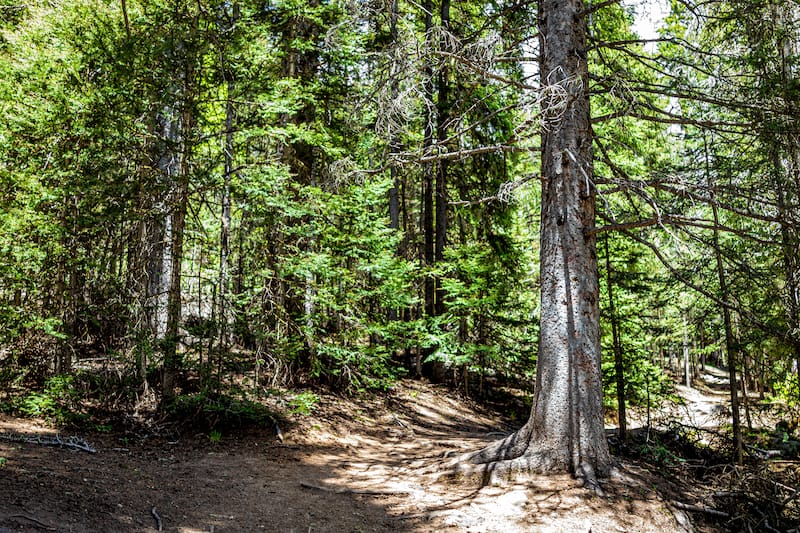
{"type": "Point", "coordinates": [303, 403]}
{"type": "Point", "coordinates": [306, 116]}
{"type": "Point", "coordinates": [58, 402]}
{"type": "Point", "coordinates": [218, 412]}
{"type": "Point", "coordinates": [788, 389]}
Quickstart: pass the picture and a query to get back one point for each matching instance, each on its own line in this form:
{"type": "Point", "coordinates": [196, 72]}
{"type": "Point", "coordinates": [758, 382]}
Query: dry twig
{"type": "Point", "coordinates": [700, 509]}
{"type": "Point", "coordinates": [157, 518]}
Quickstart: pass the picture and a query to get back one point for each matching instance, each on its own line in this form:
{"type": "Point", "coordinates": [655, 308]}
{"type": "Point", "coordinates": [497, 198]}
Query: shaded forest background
{"type": "Point", "coordinates": [203, 202]}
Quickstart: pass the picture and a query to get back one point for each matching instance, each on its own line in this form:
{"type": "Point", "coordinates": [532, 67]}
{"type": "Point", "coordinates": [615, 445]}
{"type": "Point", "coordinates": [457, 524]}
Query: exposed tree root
{"type": "Point", "coordinates": [516, 458]}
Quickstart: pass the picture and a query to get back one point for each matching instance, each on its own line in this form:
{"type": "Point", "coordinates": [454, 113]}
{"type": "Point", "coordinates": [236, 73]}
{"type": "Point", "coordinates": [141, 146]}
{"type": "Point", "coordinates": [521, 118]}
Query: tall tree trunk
{"type": "Point", "coordinates": [181, 151]}
{"type": "Point", "coordinates": [394, 141]}
{"type": "Point", "coordinates": [427, 229]}
{"type": "Point", "coordinates": [687, 363]}
{"type": "Point", "coordinates": [172, 359]}
{"type": "Point", "coordinates": [443, 119]}
{"type": "Point", "coordinates": [730, 343]}
{"type": "Point", "coordinates": [158, 232]}
{"type": "Point", "coordinates": [565, 431]}
{"type": "Point", "coordinates": [225, 215]}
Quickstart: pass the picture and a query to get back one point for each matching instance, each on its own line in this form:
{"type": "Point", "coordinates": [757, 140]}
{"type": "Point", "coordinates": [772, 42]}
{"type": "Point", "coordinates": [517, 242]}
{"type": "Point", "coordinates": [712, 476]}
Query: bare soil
{"type": "Point", "coordinates": [351, 465]}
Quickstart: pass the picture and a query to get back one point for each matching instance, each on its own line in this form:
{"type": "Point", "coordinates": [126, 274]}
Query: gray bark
{"type": "Point", "coordinates": [565, 431]}
{"type": "Point", "coordinates": [158, 231]}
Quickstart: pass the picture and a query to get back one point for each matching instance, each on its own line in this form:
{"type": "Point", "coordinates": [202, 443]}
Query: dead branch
{"type": "Point", "coordinates": [35, 521]}
{"type": "Point", "coordinates": [153, 512]}
{"type": "Point", "coordinates": [699, 509]}
{"type": "Point", "coordinates": [764, 454]}
{"type": "Point", "coordinates": [75, 443]}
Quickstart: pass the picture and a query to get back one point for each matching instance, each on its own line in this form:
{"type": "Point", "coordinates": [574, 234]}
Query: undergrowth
{"type": "Point", "coordinates": [760, 495]}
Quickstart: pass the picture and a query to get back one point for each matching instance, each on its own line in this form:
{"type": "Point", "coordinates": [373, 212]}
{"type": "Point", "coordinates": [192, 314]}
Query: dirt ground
{"type": "Point", "coordinates": [349, 466]}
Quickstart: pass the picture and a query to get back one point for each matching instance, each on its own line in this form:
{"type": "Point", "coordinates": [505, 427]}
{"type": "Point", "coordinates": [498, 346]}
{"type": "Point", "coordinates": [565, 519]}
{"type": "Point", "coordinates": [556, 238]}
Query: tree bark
{"type": "Point", "coordinates": [619, 364]}
{"type": "Point", "coordinates": [225, 221]}
{"type": "Point", "coordinates": [428, 172]}
{"type": "Point", "coordinates": [687, 364]}
{"type": "Point", "coordinates": [730, 345]}
{"type": "Point", "coordinates": [443, 118]}
{"type": "Point", "coordinates": [180, 151]}
{"type": "Point", "coordinates": [565, 431]}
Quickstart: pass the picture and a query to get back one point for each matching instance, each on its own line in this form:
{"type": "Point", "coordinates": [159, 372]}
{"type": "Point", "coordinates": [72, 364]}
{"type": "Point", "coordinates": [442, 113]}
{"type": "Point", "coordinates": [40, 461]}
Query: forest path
{"type": "Point", "coordinates": [352, 465]}
{"type": "Point", "coordinates": [707, 401]}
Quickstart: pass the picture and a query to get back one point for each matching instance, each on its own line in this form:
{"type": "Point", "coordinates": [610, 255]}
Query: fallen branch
{"type": "Point", "coordinates": [426, 515]}
{"type": "Point", "coordinates": [35, 521]}
{"type": "Point", "coordinates": [700, 509]}
{"type": "Point", "coordinates": [765, 454]}
{"type": "Point", "coordinates": [76, 443]}
{"type": "Point", "coordinates": [153, 512]}
{"type": "Point", "coordinates": [368, 492]}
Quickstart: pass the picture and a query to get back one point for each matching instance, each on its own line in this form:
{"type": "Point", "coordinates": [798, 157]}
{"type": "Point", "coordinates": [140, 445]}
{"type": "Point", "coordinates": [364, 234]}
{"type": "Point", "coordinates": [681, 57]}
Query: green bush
{"type": "Point", "coordinates": [214, 411]}
{"type": "Point", "coordinates": [58, 402]}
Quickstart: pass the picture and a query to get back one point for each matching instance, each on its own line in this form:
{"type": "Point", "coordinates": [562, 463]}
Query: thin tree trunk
{"type": "Point", "coordinates": [394, 141]}
{"type": "Point", "coordinates": [619, 364]}
{"type": "Point", "coordinates": [687, 364]}
{"type": "Point", "coordinates": [427, 228]}
{"type": "Point", "coordinates": [172, 360]}
{"type": "Point", "coordinates": [181, 152]}
{"type": "Point", "coordinates": [730, 345]}
{"type": "Point", "coordinates": [443, 118]}
{"type": "Point", "coordinates": [394, 144]}
{"type": "Point", "coordinates": [225, 216]}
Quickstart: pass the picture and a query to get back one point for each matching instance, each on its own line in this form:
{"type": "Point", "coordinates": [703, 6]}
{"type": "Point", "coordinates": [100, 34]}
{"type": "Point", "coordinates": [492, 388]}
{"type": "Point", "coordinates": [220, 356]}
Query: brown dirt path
{"type": "Point", "coordinates": [353, 465]}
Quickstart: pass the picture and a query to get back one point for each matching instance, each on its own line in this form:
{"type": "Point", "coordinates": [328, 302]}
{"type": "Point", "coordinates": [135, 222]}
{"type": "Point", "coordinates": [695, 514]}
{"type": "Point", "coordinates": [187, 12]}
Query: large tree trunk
{"type": "Point", "coordinates": [565, 432]}
{"type": "Point", "coordinates": [179, 204]}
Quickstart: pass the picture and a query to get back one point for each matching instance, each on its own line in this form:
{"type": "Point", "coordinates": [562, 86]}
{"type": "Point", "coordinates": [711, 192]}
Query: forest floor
{"type": "Point", "coordinates": [350, 465]}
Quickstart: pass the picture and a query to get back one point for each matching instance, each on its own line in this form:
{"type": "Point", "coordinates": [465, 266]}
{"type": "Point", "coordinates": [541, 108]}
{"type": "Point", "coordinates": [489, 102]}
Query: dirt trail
{"type": "Point", "coordinates": [350, 466]}
{"type": "Point", "coordinates": [708, 402]}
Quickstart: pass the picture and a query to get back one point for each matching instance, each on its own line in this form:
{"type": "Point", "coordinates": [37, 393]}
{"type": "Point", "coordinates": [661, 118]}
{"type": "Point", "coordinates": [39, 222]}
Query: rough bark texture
{"type": "Point", "coordinates": [565, 431]}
